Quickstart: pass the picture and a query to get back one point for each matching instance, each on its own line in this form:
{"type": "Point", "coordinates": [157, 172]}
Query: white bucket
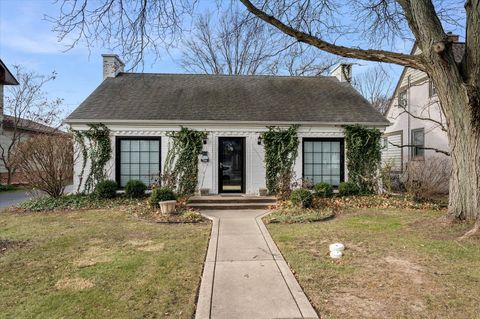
{"type": "Point", "coordinates": [335, 254]}
{"type": "Point", "coordinates": [337, 247]}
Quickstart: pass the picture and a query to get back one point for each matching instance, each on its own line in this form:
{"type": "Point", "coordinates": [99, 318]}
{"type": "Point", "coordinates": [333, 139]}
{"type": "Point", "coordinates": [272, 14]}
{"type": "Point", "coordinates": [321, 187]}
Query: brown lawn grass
{"type": "Point", "coordinates": [398, 264]}
{"type": "Point", "coordinates": [98, 264]}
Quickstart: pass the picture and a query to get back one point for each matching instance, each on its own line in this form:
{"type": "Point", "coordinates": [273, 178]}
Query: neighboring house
{"type": "Point", "coordinates": [140, 108]}
{"type": "Point", "coordinates": [8, 125]}
{"type": "Point", "coordinates": [413, 101]}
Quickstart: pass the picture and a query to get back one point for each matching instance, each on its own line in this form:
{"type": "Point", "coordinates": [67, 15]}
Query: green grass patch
{"type": "Point", "coordinates": [99, 263]}
{"type": "Point", "coordinates": [397, 264]}
{"type": "Point", "coordinates": [291, 215]}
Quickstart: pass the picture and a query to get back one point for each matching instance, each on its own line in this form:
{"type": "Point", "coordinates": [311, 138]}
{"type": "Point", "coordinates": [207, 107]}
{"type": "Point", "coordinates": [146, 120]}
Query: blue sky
{"type": "Point", "coordinates": [26, 39]}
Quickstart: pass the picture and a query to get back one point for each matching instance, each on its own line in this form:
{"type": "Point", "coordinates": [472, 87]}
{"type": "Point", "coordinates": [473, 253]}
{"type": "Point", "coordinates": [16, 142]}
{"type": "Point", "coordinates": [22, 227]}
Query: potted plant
{"type": "Point", "coordinates": [164, 198]}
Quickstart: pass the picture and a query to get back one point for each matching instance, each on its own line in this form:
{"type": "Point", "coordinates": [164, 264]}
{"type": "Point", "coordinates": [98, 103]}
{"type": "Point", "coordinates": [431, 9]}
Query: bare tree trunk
{"type": "Point", "coordinates": [9, 175]}
{"type": "Point", "coordinates": [464, 201]}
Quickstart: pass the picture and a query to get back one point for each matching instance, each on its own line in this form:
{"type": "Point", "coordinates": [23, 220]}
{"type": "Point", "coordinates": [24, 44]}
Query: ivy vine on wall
{"type": "Point", "coordinates": [363, 153]}
{"type": "Point", "coordinates": [281, 150]}
{"type": "Point", "coordinates": [181, 164]}
{"type": "Point", "coordinates": [94, 146]}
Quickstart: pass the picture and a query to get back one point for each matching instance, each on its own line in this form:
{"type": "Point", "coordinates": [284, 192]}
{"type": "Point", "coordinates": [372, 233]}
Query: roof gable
{"type": "Point", "coordinates": [196, 97]}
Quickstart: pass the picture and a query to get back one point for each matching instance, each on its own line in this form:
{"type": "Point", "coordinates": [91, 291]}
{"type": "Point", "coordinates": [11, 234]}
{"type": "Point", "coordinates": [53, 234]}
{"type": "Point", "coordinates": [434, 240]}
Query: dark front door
{"type": "Point", "coordinates": [231, 164]}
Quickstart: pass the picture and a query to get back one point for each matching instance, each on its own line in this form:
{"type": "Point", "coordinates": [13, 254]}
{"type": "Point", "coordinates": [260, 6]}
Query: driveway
{"type": "Point", "coordinates": [245, 275]}
{"type": "Point", "coordinates": [12, 198]}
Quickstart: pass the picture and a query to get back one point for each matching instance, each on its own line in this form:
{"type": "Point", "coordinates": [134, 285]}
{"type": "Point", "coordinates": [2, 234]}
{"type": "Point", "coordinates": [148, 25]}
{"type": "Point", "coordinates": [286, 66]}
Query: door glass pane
{"type": "Point", "coordinates": [231, 165]}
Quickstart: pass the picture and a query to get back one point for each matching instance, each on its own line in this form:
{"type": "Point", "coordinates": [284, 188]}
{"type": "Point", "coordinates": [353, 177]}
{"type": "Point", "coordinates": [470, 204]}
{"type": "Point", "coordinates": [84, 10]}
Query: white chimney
{"type": "Point", "coordinates": [343, 72]}
{"type": "Point", "coordinates": [112, 65]}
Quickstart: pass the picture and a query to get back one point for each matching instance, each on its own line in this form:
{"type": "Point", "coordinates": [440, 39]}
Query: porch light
{"type": "Point", "coordinates": [205, 139]}
{"type": "Point", "coordinates": [259, 141]}
{"type": "Point", "coordinates": [204, 157]}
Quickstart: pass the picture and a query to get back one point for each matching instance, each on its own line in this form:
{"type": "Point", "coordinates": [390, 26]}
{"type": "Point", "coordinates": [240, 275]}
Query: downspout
{"type": "Point", "coordinates": [409, 149]}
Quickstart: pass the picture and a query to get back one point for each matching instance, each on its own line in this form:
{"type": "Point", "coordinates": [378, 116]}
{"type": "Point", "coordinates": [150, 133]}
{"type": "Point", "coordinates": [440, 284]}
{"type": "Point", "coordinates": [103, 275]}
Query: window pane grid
{"type": "Point", "coordinates": [322, 161]}
{"type": "Point", "coordinates": [140, 160]}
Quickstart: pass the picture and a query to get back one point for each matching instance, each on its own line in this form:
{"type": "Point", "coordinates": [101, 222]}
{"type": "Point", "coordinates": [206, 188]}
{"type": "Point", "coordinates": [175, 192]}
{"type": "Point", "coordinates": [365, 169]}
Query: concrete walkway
{"type": "Point", "coordinates": [245, 275]}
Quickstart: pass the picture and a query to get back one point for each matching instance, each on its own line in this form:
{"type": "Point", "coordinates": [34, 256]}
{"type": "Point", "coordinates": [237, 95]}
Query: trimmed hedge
{"type": "Point", "coordinates": [135, 189]}
{"type": "Point", "coordinates": [302, 197]}
{"type": "Point", "coordinates": [348, 189]}
{"type": "Point", "coordinates": [323, 189]}
{"type": "Point", "coordinates": [106, 189]}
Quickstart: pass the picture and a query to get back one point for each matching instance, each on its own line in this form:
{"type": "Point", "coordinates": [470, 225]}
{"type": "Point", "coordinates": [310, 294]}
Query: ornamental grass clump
{"type": "Point", "coordinates": [135, 189]}
{"type": "Point", "coordinates": [302, 197]}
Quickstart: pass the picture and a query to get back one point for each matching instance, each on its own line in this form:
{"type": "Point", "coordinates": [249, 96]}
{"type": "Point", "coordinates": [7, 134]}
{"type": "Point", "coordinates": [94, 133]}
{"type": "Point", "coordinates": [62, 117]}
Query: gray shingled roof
{"type": "Point", "coordinates": [187, 97]}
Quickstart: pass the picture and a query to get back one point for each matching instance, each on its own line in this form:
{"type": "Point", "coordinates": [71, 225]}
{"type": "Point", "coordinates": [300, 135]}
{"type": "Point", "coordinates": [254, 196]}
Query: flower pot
{"type": "Point", "coordinates": [204, 191]}
{"type": "Point", "coordinates": [262, 192]}
{"type": "Point", "coordinates": [167, 207]}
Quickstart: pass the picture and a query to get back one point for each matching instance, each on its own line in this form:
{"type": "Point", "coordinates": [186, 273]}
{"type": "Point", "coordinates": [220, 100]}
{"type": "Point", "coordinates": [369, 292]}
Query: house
{"type": "Point", "coordinates": [140, 108]}
{"type": "Point", "coordinates": [13, 128]}
{"type": "Point", "coordinates": [418, 129]}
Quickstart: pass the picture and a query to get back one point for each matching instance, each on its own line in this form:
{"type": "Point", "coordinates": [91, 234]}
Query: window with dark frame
{"type": "Point", "coordinates": [323, 161]}
{"type": "Point", "coordinates": [402, 98]}
{"type": "Point", "coordinates": [418, 142]}
{"type": "Point", "coordinates": [137, 158]}
{"type": "Point", "coordinates": [432, 91]}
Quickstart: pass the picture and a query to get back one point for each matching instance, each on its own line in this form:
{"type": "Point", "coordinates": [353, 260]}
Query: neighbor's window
{"type": "Point", "coordinates": [418, 140]}
{"type": "Point", "coordinates": [139, 159]}
{"type": "Point", "coordinates": [402, 98]}
{"type": "Point", "coordinates": [432, 91]}
{"type": "Point", "coordinates": [323, 161]}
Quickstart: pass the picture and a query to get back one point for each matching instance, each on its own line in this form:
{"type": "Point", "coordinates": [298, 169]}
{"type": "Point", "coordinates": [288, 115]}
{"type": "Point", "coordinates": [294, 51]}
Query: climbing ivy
{"type": "Point", "coordinates": [98, 152]}
{"type": "Point", "coordinates": [181, 163]}
{"type": "Point", "coordinates": [363, 153]}
{"type": "Point", "coordinates": [281, 149]}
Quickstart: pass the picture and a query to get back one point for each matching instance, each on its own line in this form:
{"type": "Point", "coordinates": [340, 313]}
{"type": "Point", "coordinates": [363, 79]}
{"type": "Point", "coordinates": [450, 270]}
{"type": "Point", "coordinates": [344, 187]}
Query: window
{"type": "Point", "coordinates": [418, 140]}
{"type": "Point", "coordinates": [137, 158]}
{"type": "Point", "coordinates": [323, 160]}
{"type": "Point", "coordinates": [402, 98]}
{"type": "Point", "coordinates": [432, 90]}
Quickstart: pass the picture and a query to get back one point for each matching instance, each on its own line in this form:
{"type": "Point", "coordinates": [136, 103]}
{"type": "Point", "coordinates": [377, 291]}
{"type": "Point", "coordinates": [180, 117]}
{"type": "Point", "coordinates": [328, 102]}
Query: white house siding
{"type": "Point", "coordinates": [208, 172]}
{"type": "Point", "coordinates": [420, 104]}
{"type": "Point", "coordinates": [392, 154]}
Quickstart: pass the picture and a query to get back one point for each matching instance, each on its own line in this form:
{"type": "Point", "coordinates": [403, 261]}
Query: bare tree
{"type": "Point", "coordinates": [342, 28]}
{"type": "Point", "coordinates": [375, 85]}
{"type": "Point", "coordinates": [28, 110]}
{"type": "Point", "coordinates": [238, 43]}
{"type": "Point", "coordinates": [47, 161]}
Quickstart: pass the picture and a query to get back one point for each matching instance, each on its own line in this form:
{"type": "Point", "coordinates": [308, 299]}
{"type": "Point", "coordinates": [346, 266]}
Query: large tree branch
{"type": "Point", "coordinates": [415, 62]}
{"type": "Point", "coordinates": [436, 150]}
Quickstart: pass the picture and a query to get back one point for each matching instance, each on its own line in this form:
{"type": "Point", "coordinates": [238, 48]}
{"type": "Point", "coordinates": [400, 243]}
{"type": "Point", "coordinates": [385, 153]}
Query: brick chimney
{"type": "Point", "coordinates": [452, 37]}
{"type": "Point", "coordinates": [343, 72]}
{"type": "Point", "coordinates": [112, 65]}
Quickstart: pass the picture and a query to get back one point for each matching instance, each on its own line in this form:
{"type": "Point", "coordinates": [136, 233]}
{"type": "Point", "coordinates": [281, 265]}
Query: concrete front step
{"type": "Point", "coordinates": [231, 199]}
{"type": "Point", "coordinates": [229, 206]}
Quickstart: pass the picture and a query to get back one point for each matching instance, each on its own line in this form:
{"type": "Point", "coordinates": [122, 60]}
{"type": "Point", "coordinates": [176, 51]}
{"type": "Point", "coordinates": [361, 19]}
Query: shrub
{"type": "Point", "coordinates": [6, 188]}
{"type": "Point", "coordinates": [348, 189]}
{"type": "Point", "coordinates": [323, 189]}
{"type": "Point", "coordinates": [302, 197]}
{"type": "Point", "coordinates": [161, 194]}
{"type": "Point", "coordinates": [72, 201]}
{"type": "Point", "coordinates": [47, 162]}
{"type": "Point", "coordinates": [425, 180]}
{"type": "Point", "coordinates": [192, 216]}
{"type": "Point", "coordinates": [106, 189]}
{"type": "Point", "coordinates": [135, 189]}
